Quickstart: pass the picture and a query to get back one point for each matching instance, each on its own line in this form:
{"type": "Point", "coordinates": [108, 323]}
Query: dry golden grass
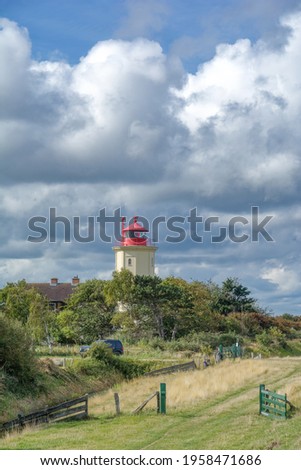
{"type": "Point", "coordinates": [293, 391]}
{"type": "Point", "coordinates": [189, 388]}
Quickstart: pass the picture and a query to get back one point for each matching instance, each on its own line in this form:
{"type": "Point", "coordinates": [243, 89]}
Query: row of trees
{"type": "Point", "coordinates": [140, 306]}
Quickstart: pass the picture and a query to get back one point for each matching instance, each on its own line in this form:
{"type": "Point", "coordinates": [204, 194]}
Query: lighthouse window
{"type": "Point", "coordinates": [130, 262]}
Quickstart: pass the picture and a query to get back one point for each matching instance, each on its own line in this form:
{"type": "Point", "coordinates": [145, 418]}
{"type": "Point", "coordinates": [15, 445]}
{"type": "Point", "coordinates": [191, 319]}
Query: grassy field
{"type": "Point", "coordinates": [215, 408]}
{"type": "Point", "coordinates": [77, 377]}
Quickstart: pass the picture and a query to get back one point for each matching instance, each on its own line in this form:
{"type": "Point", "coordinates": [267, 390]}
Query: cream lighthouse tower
{"type": "Point", "coordinates": [135, 251]}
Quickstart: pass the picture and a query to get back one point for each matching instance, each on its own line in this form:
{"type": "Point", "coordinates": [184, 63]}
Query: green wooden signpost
{"type": "Point", "coordinates": [162, 407]}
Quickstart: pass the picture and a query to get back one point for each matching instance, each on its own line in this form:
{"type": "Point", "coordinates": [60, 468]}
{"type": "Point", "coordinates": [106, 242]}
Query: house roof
{"type": "Point", "coordinates": [55, 293]}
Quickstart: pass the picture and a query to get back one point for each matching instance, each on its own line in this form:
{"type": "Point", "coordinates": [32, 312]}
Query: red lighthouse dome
{"type": "Point", "coordinates": [134, 234]}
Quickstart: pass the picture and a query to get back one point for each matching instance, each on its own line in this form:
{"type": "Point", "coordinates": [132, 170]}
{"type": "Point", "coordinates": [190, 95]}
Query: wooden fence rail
{"type": "Point", "coordinates": [140, 407]}
{"type": "Point", "coordinates": [169, 370]}
{"type": "Point", "coordinates": [272, 404]}
{"type": "Point", "coordinates": [77, 408]}
{"type": "Point", "coordinates": [161, 400]}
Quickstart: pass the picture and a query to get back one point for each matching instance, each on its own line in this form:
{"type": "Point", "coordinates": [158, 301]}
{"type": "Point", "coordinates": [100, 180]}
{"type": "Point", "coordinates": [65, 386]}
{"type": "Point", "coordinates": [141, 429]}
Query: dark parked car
{"type": "Point", "coordinates": [115, 344]}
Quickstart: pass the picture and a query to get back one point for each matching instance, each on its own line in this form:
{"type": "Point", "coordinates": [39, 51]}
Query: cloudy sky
{"type": "Point", "coordinates": [157, 108]}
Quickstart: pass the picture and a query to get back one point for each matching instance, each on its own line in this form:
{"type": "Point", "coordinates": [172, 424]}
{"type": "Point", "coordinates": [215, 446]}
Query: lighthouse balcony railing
{"type": "Point", "coordinates": [149, 242]}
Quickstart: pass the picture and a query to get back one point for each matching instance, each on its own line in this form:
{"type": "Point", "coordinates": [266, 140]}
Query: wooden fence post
{"type": "Point", "coordinates": [117, 403]}
{"type": "Point", "coordinates": [46, 420]}
{"type": "Point", "coordinates": [158, 402]}
{"type": "Point", "coordinates": [87, 410]}
{"type": "Point", "coordinates": [21, 420]}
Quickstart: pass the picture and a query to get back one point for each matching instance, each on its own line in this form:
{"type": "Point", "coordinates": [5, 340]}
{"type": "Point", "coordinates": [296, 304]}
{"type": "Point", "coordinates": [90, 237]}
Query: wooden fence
{"type": "Point", "coordinates": [161, 400]}
{"type": "Point", "coordinates": [77, 408]}
{"type": "Point", "coordinates": [228, 352]}
{"type": "Point", "coordinates": [272, 404]}
{"type": "Point", "coordinates": [140, 407]}
{"type": "Point", "coordinates": [169, 370]}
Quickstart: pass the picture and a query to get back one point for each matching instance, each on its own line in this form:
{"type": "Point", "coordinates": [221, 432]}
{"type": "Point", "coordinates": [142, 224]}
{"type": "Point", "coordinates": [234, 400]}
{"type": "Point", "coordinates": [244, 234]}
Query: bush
{"type": "Point", "coordinates": [272, 339]}
{"type": "Point", "coordinates": [157, 343]}
{"type": "Point", "coordinates": [198, 342]}
{"type": "Point", "coordinates": [17, 359]}
{"type": "Point", "coordinates": [104, 355]}
{"type": "Point", "coordinates": [89, 367]}
{"type": "Point", "coordinates": [226, 339]}
{"type": "Point", "coordinates": [192, 344]}
{"type": "Point", "coordinates": [249, 324]}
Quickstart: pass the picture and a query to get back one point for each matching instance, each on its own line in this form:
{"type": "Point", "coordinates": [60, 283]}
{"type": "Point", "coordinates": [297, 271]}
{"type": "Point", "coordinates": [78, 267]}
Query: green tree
{"type": "Point", "coordinates": [140, 304]}
{"type": "Point", "coordinates": [232, 297]}
{"type": "Point", "coordinates": [41, 320]}
{"type": "Point", "coordinates": [180, 315]}
{"type": "Point", "coordinates": [150, 306]}
{"type": "Point", "coordinates": [17, 298]}
{"type": "Point", "coordinates": [17, 359]}
{"type": "Point", "coordinates": [66, 331]}
{"type": "Point", "coordinates": [120, 289]}
{"type": "Point", "coordinates": [208, 319]}
{"type": "Point", "coordinates": [120, 294]}
{"type": "Point", "coordinates": [151, 297]}
{"type": "Point", "coordinates": [201, 296]}
{"type": "Point", "coordinates": [25, 304]}
{"type": "Point", "coordinates": [88, 316]}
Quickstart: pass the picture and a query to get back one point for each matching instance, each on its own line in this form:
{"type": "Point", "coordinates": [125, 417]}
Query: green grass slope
{"type": "Point", "coordinates": [216, 408]}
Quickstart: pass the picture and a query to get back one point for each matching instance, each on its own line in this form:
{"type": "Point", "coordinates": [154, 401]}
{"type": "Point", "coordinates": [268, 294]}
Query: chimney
{"type": "Point", "coordinates": [75, 280]}
{"type": "Point", "coordinates": [54, 281]}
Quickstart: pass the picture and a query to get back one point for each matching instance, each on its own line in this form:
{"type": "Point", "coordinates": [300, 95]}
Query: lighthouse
{"type": "Point", "coordinates": [135, 252]}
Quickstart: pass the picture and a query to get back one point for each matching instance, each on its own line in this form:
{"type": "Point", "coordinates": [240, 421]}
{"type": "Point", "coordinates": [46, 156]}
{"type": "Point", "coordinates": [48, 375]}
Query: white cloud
{"type": "Point", "coordinates": [284, 278]}
{"type": "Point", "coordinates": [15, 268]}
{"type": "Point", "coordinates": [241, 109]}
{"type": "Point", "coordinates": [15, 51]}
{"type": "Point", "coordinates": [276, 172]}
{"type": "Point", "coordinates": [88, 119]}
{"type": "Point", "coordinates": [120, 102]}
{"type": "Point", "coordinates": [128, 127]}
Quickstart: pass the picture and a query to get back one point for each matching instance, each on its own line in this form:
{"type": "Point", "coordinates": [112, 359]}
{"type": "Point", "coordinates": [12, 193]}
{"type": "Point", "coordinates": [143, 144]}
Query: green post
{"type": "Point", "coordinates": [261, 388]}
{"type": "Point", "coordinates": [163, 398]}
